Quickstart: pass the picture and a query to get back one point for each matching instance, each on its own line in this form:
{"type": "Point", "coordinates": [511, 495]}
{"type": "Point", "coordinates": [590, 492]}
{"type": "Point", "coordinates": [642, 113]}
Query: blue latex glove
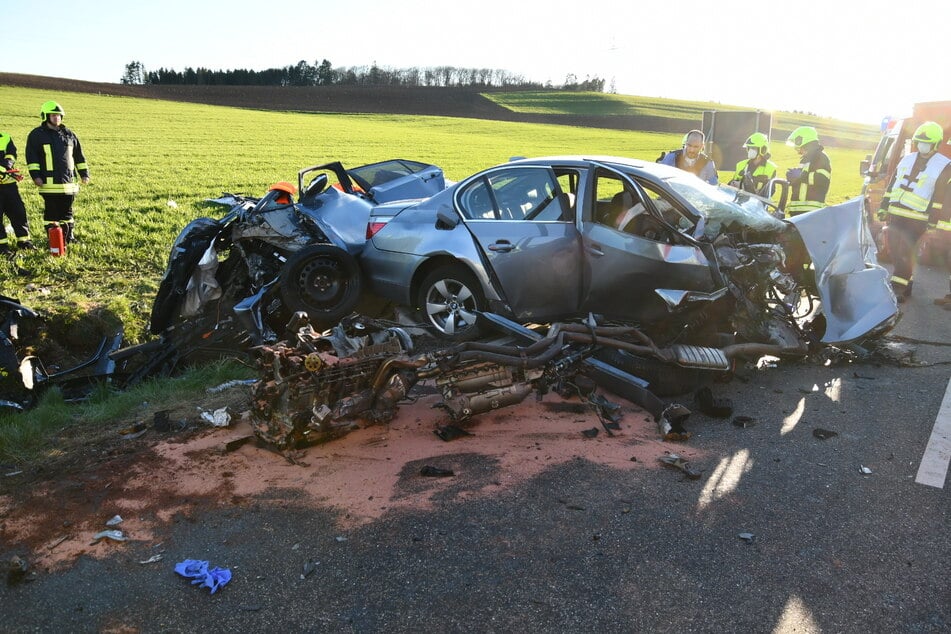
{"type": "Point", "coordinates": [197, 570]}
{"type": "Point", "coordinates": [794, 174]}
{"type": "Point", "coordinates": [216, 578]}
{"type": "Point", "coordinates": [192, 568]}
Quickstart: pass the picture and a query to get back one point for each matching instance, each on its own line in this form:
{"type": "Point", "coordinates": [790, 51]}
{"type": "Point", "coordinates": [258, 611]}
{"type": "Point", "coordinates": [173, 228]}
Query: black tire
{"type": "Point", "coordinates": [323, 281]}
{"type": "Point", "coordinates": [187, 250]}
{"type": "Point", "coordinates": [665, 379]}
{"type": "Point", "coordinates": [448, 300]}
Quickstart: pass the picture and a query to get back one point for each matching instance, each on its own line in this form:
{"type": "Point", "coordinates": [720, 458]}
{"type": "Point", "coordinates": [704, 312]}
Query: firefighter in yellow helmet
{"type": "Point", "coordinates": [56, 162]}
{"type": "Point", "coordinates": [755, 171]}
{"type": "Point", "coordinates": [917, 197]}
{"type": "Point", "coordinates": [11, 205]}
{"type": "Point", "coordinates": [809, 182]}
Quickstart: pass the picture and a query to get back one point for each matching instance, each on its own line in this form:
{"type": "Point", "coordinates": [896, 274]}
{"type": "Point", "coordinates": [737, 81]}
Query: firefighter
{"type": "Point", "coordinates": [915, 199]}
{"type": "Point", "coordinates": [755, 171]}
{"type": "Point", "coordinates": [809, 182]}
{"type": "Point", "coordinates": [690, 158]}
{"type": "Point", "coordinates": [11, 205]}
{"type": "Point", "coordinates": [55, 159]}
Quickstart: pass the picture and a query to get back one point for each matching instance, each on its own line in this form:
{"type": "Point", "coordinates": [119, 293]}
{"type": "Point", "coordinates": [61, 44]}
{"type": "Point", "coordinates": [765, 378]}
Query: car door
{"type": "Point", "coordinates": [629, 269]}
{"type": "Point", "coordinates": [524, 223]}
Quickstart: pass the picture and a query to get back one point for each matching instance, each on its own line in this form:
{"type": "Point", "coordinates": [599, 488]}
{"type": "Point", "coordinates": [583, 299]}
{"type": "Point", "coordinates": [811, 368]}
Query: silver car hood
{"type": "Point", "coordinates": [857, 299]}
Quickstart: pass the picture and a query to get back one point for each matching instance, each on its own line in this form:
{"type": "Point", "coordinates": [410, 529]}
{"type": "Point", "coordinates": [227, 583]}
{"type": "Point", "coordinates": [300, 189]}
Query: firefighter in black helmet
{"type": "Point", "coordinates": [56, 162]}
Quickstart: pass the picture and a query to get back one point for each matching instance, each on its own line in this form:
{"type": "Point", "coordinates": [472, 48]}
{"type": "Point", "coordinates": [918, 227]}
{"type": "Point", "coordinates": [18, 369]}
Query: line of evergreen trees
{"type": "Point", "coordinates": [324, 74]}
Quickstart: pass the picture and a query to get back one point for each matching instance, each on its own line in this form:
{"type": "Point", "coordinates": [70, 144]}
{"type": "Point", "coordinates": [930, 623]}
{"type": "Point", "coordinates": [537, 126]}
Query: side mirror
{"type": "Point", "coordinates": [446, 219]}
{"type": "Point", "coordinates": [317, 185]}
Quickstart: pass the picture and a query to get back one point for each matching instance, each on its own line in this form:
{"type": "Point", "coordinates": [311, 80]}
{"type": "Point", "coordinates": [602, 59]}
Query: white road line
{"type": "Point", "coordinates": [934, 464]}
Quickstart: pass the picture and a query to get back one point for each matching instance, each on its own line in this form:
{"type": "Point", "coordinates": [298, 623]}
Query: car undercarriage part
{"type": "Point", "coordinates": [314, 388]}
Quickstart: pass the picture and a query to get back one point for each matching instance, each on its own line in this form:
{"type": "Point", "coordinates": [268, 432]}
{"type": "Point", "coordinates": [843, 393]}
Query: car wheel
{"type": "Point", "coordinates": [322, 280]}
{"type": "Point", "coordinates": [449, 299]}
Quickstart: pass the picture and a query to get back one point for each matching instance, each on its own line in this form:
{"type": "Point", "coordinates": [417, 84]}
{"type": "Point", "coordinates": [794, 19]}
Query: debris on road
{"type": "Point", "coordinates": [677, 462]}
{"type": "Point", "coordinates": [219, 418]}
{"type": "Point", "coordinates": [115, 535]}
{"type": "Point", "coordinates": [864, 470]}
{"type": "Point", "coordinates": [308, 568]}
{"type": "Point", "coordinates": [747, 537]}
{"type": "Point", "coordinates": [115, 521]}
{"type": "Point", "coordinates": [711, 406]}
{"type": "Point", "coordinates": [744, 421]}
{"type": "Point", "coordinates": [450, 432]}
{"type": "Point", "coordinates": [824, 434]}
{"type": "Point", "coordinates": [430, 471]}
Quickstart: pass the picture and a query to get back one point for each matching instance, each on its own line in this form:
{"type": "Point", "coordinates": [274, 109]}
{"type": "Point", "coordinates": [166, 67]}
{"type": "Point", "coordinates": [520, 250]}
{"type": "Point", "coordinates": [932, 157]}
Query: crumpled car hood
{"type": "Point", "coordinates": [857, 299]}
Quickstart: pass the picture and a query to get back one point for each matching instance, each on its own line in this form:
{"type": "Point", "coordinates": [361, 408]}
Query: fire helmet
{"type": "Point", "coordinates": [758, 141]}
{"type": "Point", "coordinates": [801, 136]}
{"type": "Point", "coordinates": [929, 132]}
{"type": "Point", "coordinates": [50, 107]}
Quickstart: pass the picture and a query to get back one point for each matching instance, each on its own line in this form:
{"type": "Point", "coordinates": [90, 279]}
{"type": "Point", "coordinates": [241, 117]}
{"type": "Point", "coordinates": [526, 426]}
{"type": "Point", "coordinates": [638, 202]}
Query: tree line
{"type": "Point", "coordinates": [324, 74]}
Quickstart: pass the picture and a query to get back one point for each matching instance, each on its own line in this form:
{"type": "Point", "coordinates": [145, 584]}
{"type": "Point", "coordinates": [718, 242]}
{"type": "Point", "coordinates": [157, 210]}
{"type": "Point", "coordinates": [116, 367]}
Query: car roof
{"type": "Point", "coordinates": [656, 170]}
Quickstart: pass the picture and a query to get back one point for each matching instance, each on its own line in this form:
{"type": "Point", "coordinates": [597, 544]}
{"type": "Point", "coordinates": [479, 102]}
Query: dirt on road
{"type": "Point", "coordinates": [50, 514]}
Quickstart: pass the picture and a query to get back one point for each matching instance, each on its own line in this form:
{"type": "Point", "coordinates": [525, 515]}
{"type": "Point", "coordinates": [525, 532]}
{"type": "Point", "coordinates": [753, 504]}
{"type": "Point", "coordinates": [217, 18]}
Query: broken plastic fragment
{"type": "Point", "coordinates": [152, 559]}
{"type": "Point", "coordinates": [744, 421]}
{"type": "Point", "coordinates": [747, 537]}
{"type": "Point", "coordinates": [115, 521]}
{"type": "Point", "coordinates": [220, 418]}
{"type": "Point", "coordinates": [715, 407]}
{"type": "Point", "coordinates": [864, 470]}
{"type": "Point", "coordinates": [115, 535]}
{"type": "Point", "coordinates": [435, 472]}
{"type": "Point", "coordinates": [450, 432]}
{"type": "Point", "coordinates": [309, 567]}
{"type": "Point", "coordinates": [675, 461]}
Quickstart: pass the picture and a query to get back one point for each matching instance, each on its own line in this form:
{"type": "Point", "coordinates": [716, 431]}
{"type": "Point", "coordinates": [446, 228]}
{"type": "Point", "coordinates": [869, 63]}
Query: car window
{"type": "Point", "coordinates": [384, 172]}
{"type": "Point", "coordinates": [616, 203]}
{"type": "Point", "coordinates": [518, 193]}
{"type": "Point", "coordinates": [669, 209]}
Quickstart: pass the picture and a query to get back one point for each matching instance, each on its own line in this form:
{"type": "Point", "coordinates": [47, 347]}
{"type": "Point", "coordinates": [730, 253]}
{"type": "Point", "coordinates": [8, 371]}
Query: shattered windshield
{"type": "Point", "coordinates": [724, 208]}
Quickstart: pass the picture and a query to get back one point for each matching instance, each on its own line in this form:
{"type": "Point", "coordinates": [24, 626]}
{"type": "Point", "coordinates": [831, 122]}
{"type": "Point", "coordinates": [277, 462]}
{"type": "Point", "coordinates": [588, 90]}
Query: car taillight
{"type": "Point", "coordinates": [373, 227]}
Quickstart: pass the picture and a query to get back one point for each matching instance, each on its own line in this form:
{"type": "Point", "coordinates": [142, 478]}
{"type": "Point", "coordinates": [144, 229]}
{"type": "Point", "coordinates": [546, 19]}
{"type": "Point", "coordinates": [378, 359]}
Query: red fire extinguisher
{"type": "Point", "coordinates": [57, 241]}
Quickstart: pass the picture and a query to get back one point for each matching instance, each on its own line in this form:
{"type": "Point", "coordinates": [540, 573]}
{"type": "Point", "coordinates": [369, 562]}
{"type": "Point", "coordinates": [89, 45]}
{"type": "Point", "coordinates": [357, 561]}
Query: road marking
{"type": "Point", "coordinates": [934, 464]}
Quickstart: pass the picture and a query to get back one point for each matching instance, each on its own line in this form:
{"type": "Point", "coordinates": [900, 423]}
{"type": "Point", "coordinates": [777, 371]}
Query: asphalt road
{"type": "Point", "coordinates": [829, 547]}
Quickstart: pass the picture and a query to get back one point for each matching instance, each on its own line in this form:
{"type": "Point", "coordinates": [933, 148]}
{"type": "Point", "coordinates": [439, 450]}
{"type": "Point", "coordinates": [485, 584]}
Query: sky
{"type": "Point", "coordinates": [854, 61]}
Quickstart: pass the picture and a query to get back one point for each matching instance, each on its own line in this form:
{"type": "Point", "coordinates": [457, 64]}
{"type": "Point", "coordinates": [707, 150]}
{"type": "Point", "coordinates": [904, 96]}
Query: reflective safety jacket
{"type": "Point", "coordinates": [754, 180]}
{"type": "Point", "coordinates": [8, 157]}
{"type": "Point", "coordinates": [919, 187]}
{"type": "Point", "coordinates": [704, 167]}
{"type": "Point", "coordinates": [808, 192]}
{"type": "Point", "coordinates": [56, 156]}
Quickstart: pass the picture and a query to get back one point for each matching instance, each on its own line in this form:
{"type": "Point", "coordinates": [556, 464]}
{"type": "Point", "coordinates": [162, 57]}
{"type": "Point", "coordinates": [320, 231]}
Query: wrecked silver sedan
{"type": "Point", "coordinates": [698, 269]}
{"type": "Point", "coordinates": [291, 250]}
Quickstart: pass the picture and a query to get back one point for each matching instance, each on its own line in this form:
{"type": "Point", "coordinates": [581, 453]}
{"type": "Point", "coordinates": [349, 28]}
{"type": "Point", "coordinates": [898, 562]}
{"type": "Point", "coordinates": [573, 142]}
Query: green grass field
{"type": "Point", "coordinates": [146, 154]}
